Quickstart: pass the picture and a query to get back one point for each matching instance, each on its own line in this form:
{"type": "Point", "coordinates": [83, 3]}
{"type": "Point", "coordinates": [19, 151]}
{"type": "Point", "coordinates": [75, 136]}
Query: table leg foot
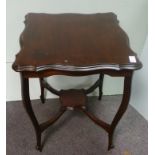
{"type": "Point", "coordinates": [110, 147]}
{"type": "Point", "coordinates": [100, 96]}
{"type": "Point", "coordinates": [39, 148]}
{"type": "Point", "coordinates": [110, 141]}
{"type": "Point", "coordinates": [42, 99]}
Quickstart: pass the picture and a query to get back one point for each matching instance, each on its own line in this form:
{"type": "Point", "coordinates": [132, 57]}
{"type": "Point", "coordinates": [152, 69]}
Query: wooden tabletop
{"type": "Point", "coordinates": [74, 42]}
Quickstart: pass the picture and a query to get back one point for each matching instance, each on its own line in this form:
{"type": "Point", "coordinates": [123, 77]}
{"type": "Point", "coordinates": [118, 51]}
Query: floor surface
{"type": "Point", "coordinates": [74, 133]}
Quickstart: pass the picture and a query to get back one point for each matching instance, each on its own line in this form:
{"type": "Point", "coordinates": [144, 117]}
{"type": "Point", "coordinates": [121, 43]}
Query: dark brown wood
{"type": "Point", "coordinates": [73, 42]}
{"type": "Point", "coordinates": [73, 98]}
{"type": "Point", "coordinates": [111, 127]}
{"type": "Point", "coordinates": [29, 110]}
{"type": "Point", "coordinates": [42, 96]}
{"type": "Point", "coordinates": [49, 73]}
{"type": "Point", "coordinates": [101, 86]}
{"type": "Point", "coordinates": [97, 121]}
{"type": "Point", "coordinates": [74, 45]}
{"type": "Point", "coordinates": [122, 108]}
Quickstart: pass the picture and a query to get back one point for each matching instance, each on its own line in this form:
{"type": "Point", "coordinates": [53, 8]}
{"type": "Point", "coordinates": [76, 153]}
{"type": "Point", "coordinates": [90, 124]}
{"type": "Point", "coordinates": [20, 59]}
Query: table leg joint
{"type": "Point", "coordinates": [51, 121]}
{"type": "Point", "coordinates": [50, 88]}
{"type": "Point", "coordinates": [97, 121]}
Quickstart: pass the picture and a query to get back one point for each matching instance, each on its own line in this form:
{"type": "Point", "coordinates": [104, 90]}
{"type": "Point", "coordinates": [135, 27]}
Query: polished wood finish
{"type": "Point", "coordinates": [73, 42]}
{"type": "Point", "coordinates": [73, 98]}
{"type": "Point", "coordinates": [74, 45]}
{"type": "Point", "coordinates": [42, 96]}
{"type": "Point", "coordinates": [101, 86]}
{"type": "Point", "coordinates": [122, 108]}
{"type": "Point", "coordinates": [29, 110]}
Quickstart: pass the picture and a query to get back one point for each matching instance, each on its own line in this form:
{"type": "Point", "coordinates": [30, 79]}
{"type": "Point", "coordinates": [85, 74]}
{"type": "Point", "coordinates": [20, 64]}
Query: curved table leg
{"type": "Point", "coordinates": [29, 110]}
{"type": "Point", "coordinates": [122, 108]}
{"type": "Point", "coordinates": [42, 96]}
{"type": "Point", "coordinates": [124, 104]}
{"type": "Point", "coordinates": [100, 86]}
{"type": "Point", "coordinates": [39, 128]}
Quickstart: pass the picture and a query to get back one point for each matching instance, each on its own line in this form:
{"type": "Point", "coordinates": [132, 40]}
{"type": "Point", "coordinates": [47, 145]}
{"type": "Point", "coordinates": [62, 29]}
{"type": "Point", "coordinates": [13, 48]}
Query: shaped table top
{"type": "Point", "coordinates": [74, 42]}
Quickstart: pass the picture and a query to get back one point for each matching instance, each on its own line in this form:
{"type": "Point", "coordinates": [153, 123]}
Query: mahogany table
{"type": "Point", "coordinates": [74, 45]}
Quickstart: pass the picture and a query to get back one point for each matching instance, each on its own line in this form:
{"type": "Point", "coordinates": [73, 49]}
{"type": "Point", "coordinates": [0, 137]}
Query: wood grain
{"type": "Point", "coordinates": [73, 42]}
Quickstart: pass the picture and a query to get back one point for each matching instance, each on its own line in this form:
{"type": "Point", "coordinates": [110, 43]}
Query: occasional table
{"type": "Point", "coordinates": [74, 45]}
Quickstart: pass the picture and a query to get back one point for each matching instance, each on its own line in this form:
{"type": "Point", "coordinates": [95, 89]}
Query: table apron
{"type": "Point", "coordinates": [47, 73]}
